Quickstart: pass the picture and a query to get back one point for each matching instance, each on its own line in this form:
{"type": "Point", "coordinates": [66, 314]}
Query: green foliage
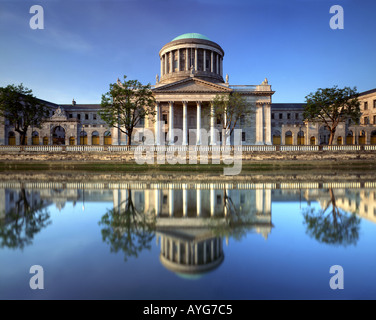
{"type": "Point", "coordinates": [331, 225]}
{"type": "Point", "coordinates": [22, 222]}
{"type": "Point", "coordinates": [127, 229]}
{"type": "Point", "coordinates": [332, 106]}
{"type": "Point", "coordinates": [21, 108]}
{"type": "Point", "coordinates": [125, 104]}
{"type": "Point", "coordinates": [229, 109]}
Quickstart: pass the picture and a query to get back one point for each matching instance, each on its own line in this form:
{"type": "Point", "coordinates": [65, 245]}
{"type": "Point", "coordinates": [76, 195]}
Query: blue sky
{"type": "Point", "coordinates": [87, 44]}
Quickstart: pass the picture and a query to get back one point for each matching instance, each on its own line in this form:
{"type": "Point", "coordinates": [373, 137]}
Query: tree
{"type": "Point", "coordinates": [229, 110]}
{"type": "Point", "coordinates": [332, 225]}
{"type": "Point", "coordinates": [21, 108]}
{"type": "Point", "coordinates": [127, 229]}
{"type": "Point", "coordinates": [332, 106]}
{"type": "Point", "coordinates": [22, 222]}
{"type": "Point", "coordinates": [125, 104]}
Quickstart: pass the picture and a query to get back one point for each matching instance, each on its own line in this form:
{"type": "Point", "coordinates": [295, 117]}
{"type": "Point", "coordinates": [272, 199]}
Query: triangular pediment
{"type": "Point", "coordinates": [192, 85]}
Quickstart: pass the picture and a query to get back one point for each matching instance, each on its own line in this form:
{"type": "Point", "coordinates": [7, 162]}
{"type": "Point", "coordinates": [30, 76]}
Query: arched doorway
{"type": "Point", "coordinates": [276, 138]}
{"type": "Point", "coordinates": [95, 138]}
{"type": "Point", "coordinates": [339, 141]}
{"type": "Point", "coordinates": [350, 138]}
{"type": "Point", "coordinates": [312, 141]}
{"type": "Point", "coordinates": [83, 138]}
{"type": "Point", "coordinates": [58, 136]}
{"type": "Point", "coordinates": [35, 138]}
{"type": "Point", "coordinates": [362, 137]}
{"type": "Point", "coordinates": [324, 135]}
{"type": "Point", "coordinates": [107, 138]}
{"type": "Point", "coordinates": [300, 138]}
{"type": "Point", "coordinates": [288, 138]}
{"type": "Point", "coordinates": [11, 138]}
{"type": "Point", "coordinates": [373, 137]}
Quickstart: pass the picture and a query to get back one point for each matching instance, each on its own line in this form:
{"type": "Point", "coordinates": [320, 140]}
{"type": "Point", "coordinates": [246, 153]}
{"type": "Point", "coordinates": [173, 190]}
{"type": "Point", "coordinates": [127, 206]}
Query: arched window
{"type": "Point", "coordinates": [350, 138]}
{"type": "Point", "coordinates": [11, 138]}
{"type": "Point", "coordinates": [288, 138]}
{"type": "Point", "coordinates": [362, 137]}
{"type": "Point", "coordinates": [276, 138]}
{"type": "Point", "coordinates": [107, 138]}
{"type": "Point", "coordinates": [373, 137]}
{"type": "Point", "coordinates": [95, 138]}
{"type": "Point", "coordinates": [301, 138]}
{"type": "Point", "coordinates": [83, 138]}
{"type": "Point", "coordinates": [35, 138]}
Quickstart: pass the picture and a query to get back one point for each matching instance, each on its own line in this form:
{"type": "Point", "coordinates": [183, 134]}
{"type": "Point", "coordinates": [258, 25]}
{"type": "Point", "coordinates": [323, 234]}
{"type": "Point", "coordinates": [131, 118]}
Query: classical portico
{"type": "Point", "coordinates": [191, 77]}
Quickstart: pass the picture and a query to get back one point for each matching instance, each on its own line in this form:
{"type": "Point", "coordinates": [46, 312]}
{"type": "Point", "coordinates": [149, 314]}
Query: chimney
{"type": "Point", "coordinates": [73, 102]}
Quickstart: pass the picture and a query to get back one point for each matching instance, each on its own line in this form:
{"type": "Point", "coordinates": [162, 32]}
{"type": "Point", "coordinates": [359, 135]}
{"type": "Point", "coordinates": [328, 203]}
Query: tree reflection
{"type": "Point", "coordinates": [238, 224]}
{"type": "Point", "coordinates": [24, 220]}
{"type": "Point", "coordinates": [332, 225]}
{"type": "Point", "coordinates": [127, 229]}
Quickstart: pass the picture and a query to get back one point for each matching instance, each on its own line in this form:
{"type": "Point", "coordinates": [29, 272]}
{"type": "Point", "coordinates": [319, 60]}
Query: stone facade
{"type": "Point", "coordinates": [191, 75]}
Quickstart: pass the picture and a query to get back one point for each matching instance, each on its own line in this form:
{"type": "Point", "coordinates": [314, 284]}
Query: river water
{"type": "Point", "coordinates": [187, 240]}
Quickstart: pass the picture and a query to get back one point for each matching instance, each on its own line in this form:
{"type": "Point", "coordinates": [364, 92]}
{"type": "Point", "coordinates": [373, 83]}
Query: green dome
{"type": "Point", "coordinates": [191, 36]}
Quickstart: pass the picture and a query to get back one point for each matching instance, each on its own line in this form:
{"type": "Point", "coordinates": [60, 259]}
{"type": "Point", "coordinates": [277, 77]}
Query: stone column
{"type": "Point", "coordinates": [165, 57]}
{"type": "Point", "coordinates": [212, 200]}
{"type": "Point", "coordinates": [171, 202]}
{"type": "Point", "coordinates": [157, 203]}
{"type": "Point", "coordinates": [217, 62]}
{"type": "Point", "coordinates": [212, 62]}
{"type": "Point", "coordinates": [185, 123]}
{"type": "Point", "coordinates": [268, 125]}
{"type": "Point", "coordinates": [198, 201]}
{"type": "Point", "coordinates": [171, 136]}
{"type": "Point", "coordinates": [221, 66]}
{"type": "Point", "coordinates": [198, 134]}
{"type": "Point", "coordinates": [157, 128]}
{"type": "Point", "coordinates": [212, 126]}
{"type": "Point", "coordinates": [161, 66]}
{"type": "Point", "coordinates": [185, 201]}
{"type": "Point", "coordinates": [259, 125]}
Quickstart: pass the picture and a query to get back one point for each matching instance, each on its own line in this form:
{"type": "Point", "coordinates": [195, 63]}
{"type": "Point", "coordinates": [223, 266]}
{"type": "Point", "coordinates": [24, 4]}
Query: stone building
{"type": "Point", "coordinates": [191, 75]}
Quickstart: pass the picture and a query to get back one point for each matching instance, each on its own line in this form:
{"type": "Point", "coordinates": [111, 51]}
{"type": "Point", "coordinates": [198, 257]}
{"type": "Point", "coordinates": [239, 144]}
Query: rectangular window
{"type": "Point", "coordinates": [94, 116]}
{"type": "Point", "coordinates": [280, 116]}
{"type": "Point", "coordinates": [243, 136]}
{"type": "Point", "coordinates": [70, 116]}
{"type": "Point", "coordinates": [218, 120]}
{"type": "Point", "coordinates": [366, 120]}
{"type": "Point", "coordinates": [374, 119]}
{"type": "Point", "coordinates": [366, 105]}
{"type": "Point", "coordinates": [86, 116]}
{"type": "Point", "coordinates": [374, 104]}
{"type": "Point", "coordinates": [164, 118]}
{"type": "Point", "coordinates": [296, 116]}
{"type": "Point", "coordinates": [273, 116]}
{"type": "Point", "coordinates": [289, 116]}
{"type": "Point", "coordinates": [142, 122]}
{"type": "Point", "coordinates": [219, 199]}
{"type": "Point", "coordinates": [78, 116]}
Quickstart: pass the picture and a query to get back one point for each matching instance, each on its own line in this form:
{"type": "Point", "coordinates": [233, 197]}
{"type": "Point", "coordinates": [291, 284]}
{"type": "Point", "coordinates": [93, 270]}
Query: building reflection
{"type": "Point", "coordinates": [193, 220]}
